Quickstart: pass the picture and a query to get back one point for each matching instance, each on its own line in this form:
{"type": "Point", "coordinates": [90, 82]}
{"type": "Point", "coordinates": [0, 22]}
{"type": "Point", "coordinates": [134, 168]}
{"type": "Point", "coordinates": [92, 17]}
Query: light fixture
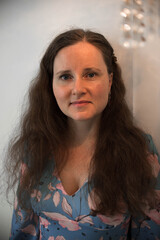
{"type": "Point", "coordinates": [138, 21]}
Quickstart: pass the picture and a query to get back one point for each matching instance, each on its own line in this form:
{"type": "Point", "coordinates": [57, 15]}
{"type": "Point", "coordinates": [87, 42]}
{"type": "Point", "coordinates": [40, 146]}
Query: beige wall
{"type": "Point", "coordinates": [146, 88]}
{"type": "Point", "coordinates": [26, 28]}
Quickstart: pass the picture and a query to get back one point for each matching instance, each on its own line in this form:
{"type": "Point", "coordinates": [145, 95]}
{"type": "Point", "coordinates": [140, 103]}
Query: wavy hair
{"type": "Point", "coordinates": [119, 169]}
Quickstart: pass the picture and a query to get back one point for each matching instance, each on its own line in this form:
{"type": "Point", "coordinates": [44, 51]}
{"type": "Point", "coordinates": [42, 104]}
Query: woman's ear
{"type": "Point", "coordinates": [110, 79]}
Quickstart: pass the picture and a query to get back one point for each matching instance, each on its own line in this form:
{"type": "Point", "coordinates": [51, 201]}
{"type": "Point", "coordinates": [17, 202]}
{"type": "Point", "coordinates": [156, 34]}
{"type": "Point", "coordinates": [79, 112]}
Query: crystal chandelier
{"type": "Point", "coordinates": [139, 21]}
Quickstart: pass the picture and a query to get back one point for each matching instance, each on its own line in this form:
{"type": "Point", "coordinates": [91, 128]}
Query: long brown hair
{"type": "Point", "coordinates": [119, 168]}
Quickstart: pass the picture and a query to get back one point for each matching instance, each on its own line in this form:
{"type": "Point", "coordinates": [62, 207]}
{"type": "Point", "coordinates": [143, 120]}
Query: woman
{"type": "Point", "coordinates": [87, 172]}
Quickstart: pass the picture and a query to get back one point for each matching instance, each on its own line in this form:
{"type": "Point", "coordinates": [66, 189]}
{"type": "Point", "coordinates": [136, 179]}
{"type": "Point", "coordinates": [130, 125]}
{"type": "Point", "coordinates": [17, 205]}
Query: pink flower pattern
{"type": "Point", "coordinates": [51, 238]}
{"type": "Point", "coordinates": [63, 221]}
{"type": "Point", "coordinates": [54, 214]}
{"type": "Point", "coordinates": [85, 219]}
{"type": "Point", "coordinates": [66, 207]}
{"type": "Point", "coordinates": [56, 198]}
{"type": "Point", "coordinates": [57, 238]}
{"type": "Point", "coordinates": [44, 222]}
{"type": "Point", "coordinates": [50, 187]}
{"type": "Point", "coordinates": [36, 194]}
{"type": "Point", "coordinates": [60, 238]}
{"type": "Point", "coordinates": [60, 187]}
{"type": "Point", "coordinates": [29, 229]}
{"type": "Point", "coordinates": [113, 220]}
{"type": "Point", "coordinates": [47, 197]}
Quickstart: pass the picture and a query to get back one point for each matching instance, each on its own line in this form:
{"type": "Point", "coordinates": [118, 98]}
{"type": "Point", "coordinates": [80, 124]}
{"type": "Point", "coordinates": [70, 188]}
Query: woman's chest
{"type": "Point", "coordinates": [73, 178]}
{"type": "Point", "coordinates": [75, 171]}
{"type": "Point", "coordinates": [73, 215]}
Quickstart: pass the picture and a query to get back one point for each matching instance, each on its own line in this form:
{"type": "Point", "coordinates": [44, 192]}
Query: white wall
{"type": "Point", "coordinates": [26, 28]}
{"type": "Point", "coordinates": [146, 90]}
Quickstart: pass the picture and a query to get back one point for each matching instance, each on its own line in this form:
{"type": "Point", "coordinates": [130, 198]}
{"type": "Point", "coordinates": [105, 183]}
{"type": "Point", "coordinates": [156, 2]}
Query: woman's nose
{"type": "Point", "coordinates": [78, 86]}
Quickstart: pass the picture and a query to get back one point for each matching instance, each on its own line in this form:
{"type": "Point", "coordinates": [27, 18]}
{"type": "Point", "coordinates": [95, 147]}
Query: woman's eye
{"type": "Point", "coordinates": [91, 75]}
{"type": "Point", "coordinates": [65, 77]}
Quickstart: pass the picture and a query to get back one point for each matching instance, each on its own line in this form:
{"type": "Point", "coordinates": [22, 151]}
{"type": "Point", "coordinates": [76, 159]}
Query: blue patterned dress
{"type": "Point", "coordinates": [58, 216]}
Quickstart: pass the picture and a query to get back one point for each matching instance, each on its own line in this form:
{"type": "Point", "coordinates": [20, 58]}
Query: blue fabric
{"type": "Point", "coordinates": [57, 216]}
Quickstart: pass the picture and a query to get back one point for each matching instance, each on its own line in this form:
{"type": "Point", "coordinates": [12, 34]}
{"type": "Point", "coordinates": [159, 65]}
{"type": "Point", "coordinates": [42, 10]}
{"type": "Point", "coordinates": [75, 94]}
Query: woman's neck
{"type": "Point", "coordinates": [83, 132]}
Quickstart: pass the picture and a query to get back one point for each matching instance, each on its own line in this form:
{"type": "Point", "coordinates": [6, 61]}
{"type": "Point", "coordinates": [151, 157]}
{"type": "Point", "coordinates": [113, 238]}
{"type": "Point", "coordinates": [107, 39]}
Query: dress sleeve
{"type": "Point", "coordinates": [149, 227]}
{"type": "Point", "coordinates": [25, 224]}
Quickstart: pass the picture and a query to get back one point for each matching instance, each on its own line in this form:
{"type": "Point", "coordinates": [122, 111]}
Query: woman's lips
{"type": "Point", "coordinates": [80, 103]}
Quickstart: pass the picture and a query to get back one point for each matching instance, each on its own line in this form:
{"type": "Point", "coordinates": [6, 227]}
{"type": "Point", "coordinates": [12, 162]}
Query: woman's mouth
{"type": "Point", "coordinates": [80, 103]}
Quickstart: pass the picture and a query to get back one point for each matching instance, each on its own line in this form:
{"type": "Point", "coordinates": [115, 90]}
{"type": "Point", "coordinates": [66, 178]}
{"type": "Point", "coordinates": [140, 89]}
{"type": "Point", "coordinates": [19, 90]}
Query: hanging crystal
{"type": "Point", "coordinates": [133, 25]}
{"type": "Point", "coordinates": [152, 17]}
{"type": "Point", "coordinates": [126, 24]}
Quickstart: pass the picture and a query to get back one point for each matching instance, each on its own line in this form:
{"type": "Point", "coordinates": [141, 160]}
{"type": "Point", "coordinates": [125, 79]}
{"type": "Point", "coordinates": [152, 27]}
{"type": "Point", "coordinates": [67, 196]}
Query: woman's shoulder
{"type": "Point", "coordinates": [151, 144]}
{"type": "Point", "coordinates": [48, 169]}
{"type": "Point", "coordinates": [154, 159]}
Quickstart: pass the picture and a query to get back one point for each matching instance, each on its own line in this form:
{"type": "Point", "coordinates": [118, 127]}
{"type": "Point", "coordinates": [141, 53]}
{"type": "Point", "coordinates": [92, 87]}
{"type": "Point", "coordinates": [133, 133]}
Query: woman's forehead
{"type": "Point", "coordinates": [81, 53]}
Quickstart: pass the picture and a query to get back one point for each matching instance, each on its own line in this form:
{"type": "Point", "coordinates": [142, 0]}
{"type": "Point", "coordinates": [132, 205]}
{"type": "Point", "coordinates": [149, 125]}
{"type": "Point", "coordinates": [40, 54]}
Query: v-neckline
{"type": "Point", "coordinates": [76, 192]}
{"type": "Point", "coordinates": [55, 174]}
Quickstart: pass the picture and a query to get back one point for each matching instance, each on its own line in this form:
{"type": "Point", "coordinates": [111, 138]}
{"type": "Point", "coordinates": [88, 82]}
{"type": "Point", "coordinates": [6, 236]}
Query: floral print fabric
{"type": "Point", "coordinates": [57, 216]}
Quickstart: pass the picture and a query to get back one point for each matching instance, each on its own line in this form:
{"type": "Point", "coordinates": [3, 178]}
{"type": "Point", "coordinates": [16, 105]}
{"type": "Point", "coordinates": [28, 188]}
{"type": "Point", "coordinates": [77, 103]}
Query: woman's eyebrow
{"type": "Point", "coordinates": [92, 69]}
{"type": "Point", "coordinates": [84, 70]}
{"type": "Point", "coordinates": [63, 72]}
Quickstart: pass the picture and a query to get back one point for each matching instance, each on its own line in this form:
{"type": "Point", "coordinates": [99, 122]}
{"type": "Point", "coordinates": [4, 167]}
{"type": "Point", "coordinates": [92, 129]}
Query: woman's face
{"type": "Point", "coordinates": [81, 82]}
